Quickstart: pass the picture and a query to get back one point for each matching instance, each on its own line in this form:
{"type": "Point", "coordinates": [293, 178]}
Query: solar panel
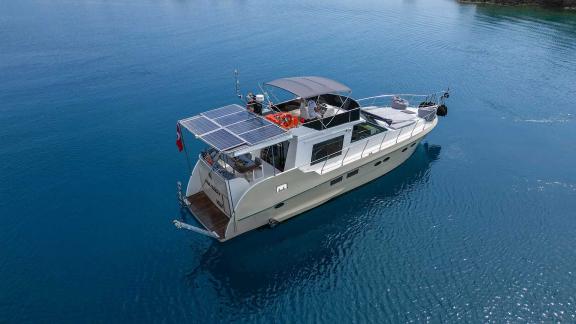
{"type": "Point", "coordinates": [228, 127]}
{"type": "Point", "coordinates": [222, 140]}
{"type": "Point", "coordinates": [247, 125]}
{"type": "Point", "coordinates": [199, 125]}
{"type": "Point", "coordinates": [222, 111]}
{"type": "Point", "coordinates": [234, 118]}
{"type": "Point", "coordinates": [261, 134]}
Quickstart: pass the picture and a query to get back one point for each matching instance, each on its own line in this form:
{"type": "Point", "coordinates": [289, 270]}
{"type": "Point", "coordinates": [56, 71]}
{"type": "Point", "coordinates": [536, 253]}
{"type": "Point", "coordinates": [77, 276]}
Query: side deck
{"type": "Point", "coordinates": [212, 218]}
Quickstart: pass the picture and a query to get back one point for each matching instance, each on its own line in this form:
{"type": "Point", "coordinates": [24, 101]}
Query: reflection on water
{"type": "Point", "coordinates": [264, 262]}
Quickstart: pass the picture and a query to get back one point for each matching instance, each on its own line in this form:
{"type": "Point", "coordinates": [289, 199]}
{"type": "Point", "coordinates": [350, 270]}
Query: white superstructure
{"type": "Point", "coordinates": [262, 170]}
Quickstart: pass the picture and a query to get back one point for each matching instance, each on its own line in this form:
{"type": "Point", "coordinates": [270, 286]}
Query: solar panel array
{"type": "Point", "coordinates": [231, 126]}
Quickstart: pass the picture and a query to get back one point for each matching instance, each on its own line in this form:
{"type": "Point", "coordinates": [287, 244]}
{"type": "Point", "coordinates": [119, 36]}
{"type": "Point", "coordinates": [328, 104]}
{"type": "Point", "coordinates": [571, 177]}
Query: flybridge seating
{"type": "Point", "coordinates": [334, 109]}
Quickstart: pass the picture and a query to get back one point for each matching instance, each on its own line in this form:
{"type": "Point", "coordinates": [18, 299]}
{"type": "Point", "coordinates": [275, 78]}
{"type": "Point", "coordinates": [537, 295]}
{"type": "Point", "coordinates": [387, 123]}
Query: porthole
{"type": "Point", "coordinates": [386, 159]}
{"type": "Point", "coordinates": [335, 181]}
{"type": "Point", "coordinates": [279, 205]}
{"type": "Point", "coordinates": [413, 144]}
{"type": "Point", "coordinates": [352, 173]}
{"type": "Point", "coordinates": [377, 163]}
{"type": "Point", "coordinates": [404, 149]}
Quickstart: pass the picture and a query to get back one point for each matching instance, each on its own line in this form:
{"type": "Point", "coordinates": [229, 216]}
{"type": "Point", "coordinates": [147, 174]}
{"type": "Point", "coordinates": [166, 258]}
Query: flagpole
{"type": "Point", "coordinates": [185, 150]}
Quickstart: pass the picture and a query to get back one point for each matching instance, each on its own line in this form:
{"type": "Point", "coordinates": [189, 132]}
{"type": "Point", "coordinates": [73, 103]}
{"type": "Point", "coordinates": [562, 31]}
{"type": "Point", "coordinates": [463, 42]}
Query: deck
{"type": "Point", "coordinates": [207, 213]}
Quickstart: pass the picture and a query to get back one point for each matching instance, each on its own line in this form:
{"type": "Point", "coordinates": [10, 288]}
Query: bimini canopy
{"type": "Point", "coordinates": [231, 128]}
{"type": "Point", "coordinates": [309, 86]}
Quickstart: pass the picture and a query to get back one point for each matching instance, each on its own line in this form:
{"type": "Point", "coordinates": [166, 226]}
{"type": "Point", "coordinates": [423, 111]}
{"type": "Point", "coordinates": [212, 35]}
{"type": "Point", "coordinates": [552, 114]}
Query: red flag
{"type": "Point", "coordinates": [179, 142]}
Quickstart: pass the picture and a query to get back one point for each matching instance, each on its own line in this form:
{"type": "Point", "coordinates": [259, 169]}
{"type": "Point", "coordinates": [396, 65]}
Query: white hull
{"type": "Point", "coordinates": [321, 193]}
{"type": "Point", "coordinates": [262, 205]}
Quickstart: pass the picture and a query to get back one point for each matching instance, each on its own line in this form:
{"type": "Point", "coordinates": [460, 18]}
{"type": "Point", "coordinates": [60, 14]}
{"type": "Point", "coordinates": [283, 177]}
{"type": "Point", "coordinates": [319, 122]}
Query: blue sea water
{"type": "Point", "coordinates": [478, 225]}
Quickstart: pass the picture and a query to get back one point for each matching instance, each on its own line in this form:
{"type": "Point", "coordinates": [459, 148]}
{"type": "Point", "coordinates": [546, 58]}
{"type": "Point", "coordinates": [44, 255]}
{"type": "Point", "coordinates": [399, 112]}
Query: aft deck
{"type": "Point", "coordinates": [212, 218]}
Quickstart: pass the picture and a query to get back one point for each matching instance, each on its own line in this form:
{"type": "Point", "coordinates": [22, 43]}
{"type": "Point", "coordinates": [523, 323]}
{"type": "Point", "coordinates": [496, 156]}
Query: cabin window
{"type": "Point", "coordinates": [386, 159]}
{"type": "Point", "coordinates": [326, 150]}
{"type": "Point", "coordinates": [352, 173]}
{"type": "Point", "coordinates": [377, 163]}
{"type": "Point", "coordinates": [363, 130]}
{"type": "Point", "coordinates": [335, 181]}
{"type": "Point", "coordinates": [413, 144]}
{"type": "Point", "coordinates": [404, 149]}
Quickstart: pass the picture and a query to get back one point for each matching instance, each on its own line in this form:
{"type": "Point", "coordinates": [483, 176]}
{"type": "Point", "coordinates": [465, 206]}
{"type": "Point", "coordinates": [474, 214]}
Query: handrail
{"type": "Point", "coordinates": [344, 158]}
{"type": "Point", "coordinates": [398, 136]}
{"type": "Point", "coordinates": [364, 149]}
{"type": "Point", "coordinates": [402, 94]}
{"type": "Point", "coordinates": [380, 147]}
{"type": "Point", "coordinates": [382, 143]}
{"type": "Point", "coordinates": [413, 128]}
{"type": "Point", "coordinates": [326, 161]}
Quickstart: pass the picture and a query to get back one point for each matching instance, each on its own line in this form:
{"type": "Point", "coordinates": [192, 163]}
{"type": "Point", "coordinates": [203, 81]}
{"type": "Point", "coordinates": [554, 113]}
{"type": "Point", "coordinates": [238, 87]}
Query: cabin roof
{"type": "Point", "coordinates": [309, 86]}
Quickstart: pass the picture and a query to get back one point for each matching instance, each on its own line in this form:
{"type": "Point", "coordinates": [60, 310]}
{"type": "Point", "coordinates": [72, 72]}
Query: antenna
{"type": "Point", "coordinates": [237, 84]}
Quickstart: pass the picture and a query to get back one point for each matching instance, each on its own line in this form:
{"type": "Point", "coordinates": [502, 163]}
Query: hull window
{"type": "Point", "coordinates": [386, 159]}
{"type": "Point", "coordinates": [352, 173]}
{"type": "Point", "coordinates": [335, 181]}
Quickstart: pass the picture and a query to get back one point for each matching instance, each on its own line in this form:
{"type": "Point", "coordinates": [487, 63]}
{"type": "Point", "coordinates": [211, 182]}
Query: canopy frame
{"type": "Point", "coordinates": [309, 86]}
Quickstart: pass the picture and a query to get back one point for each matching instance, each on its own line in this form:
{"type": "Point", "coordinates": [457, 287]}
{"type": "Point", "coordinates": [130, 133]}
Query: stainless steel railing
{"type": "Point", "coordinates": [394, 138]}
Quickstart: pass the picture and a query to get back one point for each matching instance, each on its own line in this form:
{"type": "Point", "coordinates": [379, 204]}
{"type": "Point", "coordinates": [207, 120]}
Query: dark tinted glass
{"type": "Point", "coordinates": [327, 149]}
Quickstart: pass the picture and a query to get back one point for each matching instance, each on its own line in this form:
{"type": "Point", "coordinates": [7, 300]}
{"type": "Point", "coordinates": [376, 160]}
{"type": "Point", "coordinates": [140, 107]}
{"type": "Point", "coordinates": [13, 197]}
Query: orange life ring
{"type": "Point", "coordinates": [284, 120]}
{"type": "Point", "coordinates": [272, 118]}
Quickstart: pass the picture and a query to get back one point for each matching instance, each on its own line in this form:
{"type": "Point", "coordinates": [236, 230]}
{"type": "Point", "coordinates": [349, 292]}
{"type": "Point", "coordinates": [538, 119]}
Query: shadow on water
{"type": "Point", "coordinates": [308, 246]}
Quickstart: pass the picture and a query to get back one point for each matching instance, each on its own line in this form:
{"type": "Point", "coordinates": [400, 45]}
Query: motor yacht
{"type": "Point", "coordinates": [263, 166]}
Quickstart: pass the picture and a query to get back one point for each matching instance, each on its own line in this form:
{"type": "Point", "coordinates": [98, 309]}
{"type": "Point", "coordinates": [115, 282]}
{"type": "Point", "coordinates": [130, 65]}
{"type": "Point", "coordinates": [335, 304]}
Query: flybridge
{"type": "Point", "coordinates": [235, 130]}
{"type": "Point", "coordinates": [232, 127]}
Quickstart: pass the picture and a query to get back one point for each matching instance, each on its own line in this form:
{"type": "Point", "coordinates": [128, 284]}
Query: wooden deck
{"type": "Point", "coordinates": [207, 213]}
